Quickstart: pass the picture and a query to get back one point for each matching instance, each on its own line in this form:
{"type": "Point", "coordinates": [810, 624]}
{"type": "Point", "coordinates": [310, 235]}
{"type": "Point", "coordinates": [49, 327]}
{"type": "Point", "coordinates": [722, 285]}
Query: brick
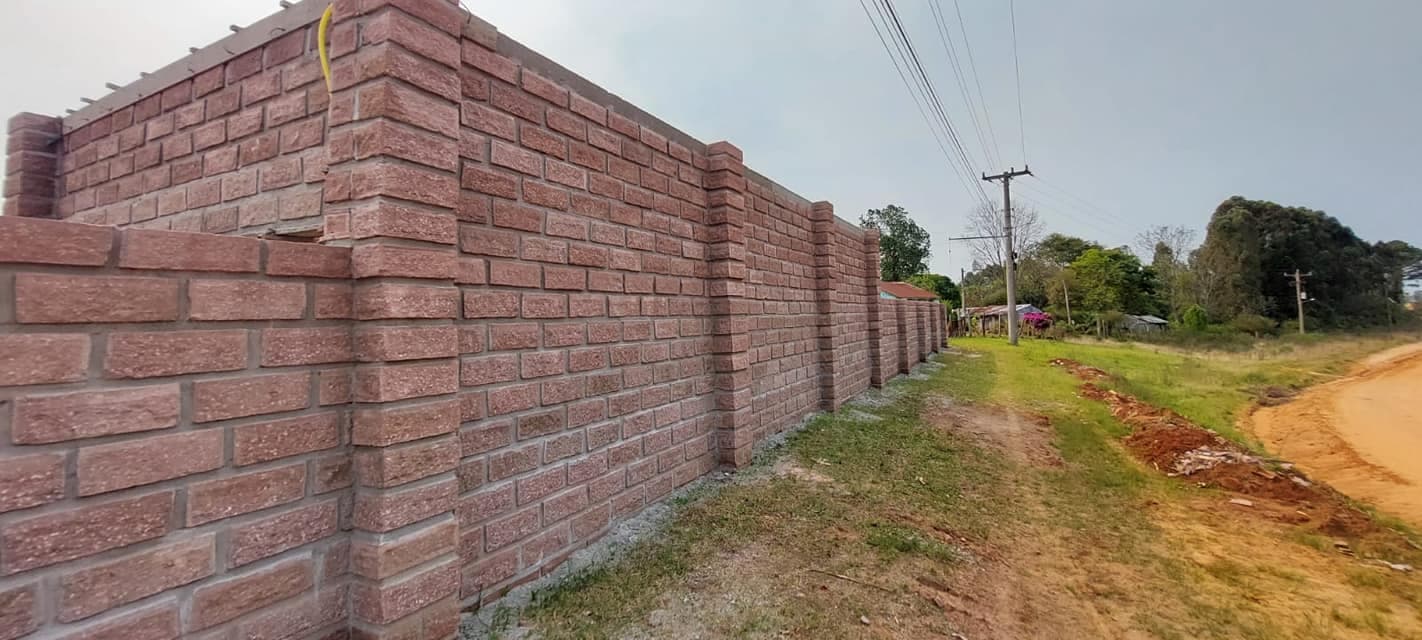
{"type": "Point", "coordinates": [19, 614]}
{"type": "Point", "coordinates": [287, 347]}
{"type": "Point", "coordinates": [93, 528]}
{"type": "Point", "coordinates": [330, 473]}
{"type": "Point", "coordinates": [387, 99]}
{"type": "Point", "coordinates": [384, 138]}
{"type": "Point", "coordinates": [31, 480]}
{"type": "Point", "coordinates": [88, 414]}
{"type": "Point", "coordinates": [390, 600]}
{"type": "Point", "coordinates": [301, 259]}
{"type": "Point", "coordinates": [77, 299]}
{"type": "Point", "coordinates": [137, 576]}
{"type": "Point", "coordinates": [157, 622]}
{"type": "Point", "coordinates": [249, 396]}
{"type": "Point", "coordinates": [390, 220]}
{"type": "Point", "coordinates": [406, 182]}
{"type": "Point", "coordinates": [478, 507]}
{"type": "Point", "coordinates": [265, 538]}
{"type": "Point", "coordinates": [518, 103]}
{"type": "Point", "coordinates": [111, 467]}
{"type": "Point", "coordinates": [541, 485]}
{"type": "Point", "coordinates": [477, 372]}
{"type": "Point", "coordinates": [565, 504]}
{"type": "Point", "coordinates": [488, 242]}
{"type": "Point", "coordinates": [564, 278]}
{"type": "Point", "coordinates": [544, 305]}
{"type": "Point", "coordinates": [235, 495]}
{"type": "Point", "coordinates": [375, 344]}
{"type": "Point", "coordinates": [392, 509]}
{"type": "Point", "coordinates": [277, 439]}
{"type": "Point", "coordinates": [36, 241]}
{"type": "Point", "coordinates": [487, 120]}
{"type": "Point", "coordinates": [393, 466]}
{"type": "Point", "coordinates": [545, 250]}
{"type": "Point", "coordinates": [42, 358]}
{"type": "Point", "coordinates": [215, 603]}
{"type": "Point", "coordinates": [155, 249]}
{"type": "Point", "coordinates": [334, 301]}
{"type": "Point", "coordinates": [166, 353]}
{"type": "Point", "coordinates": [542, 195]}
{"type": "Point", "coordinates": [541, 364]}
{"type": "Point", "coordinates": [543, 142]}
{"type": "Point", "coordinates": [379, 558]}
{"type": "Point", "coordinates": [488, 572]}
{"type": "Point", "coordinates": [390, 383]}
{"type": "Point", "coordinates": [402, 301]}
{"type": "Point", "coordinates": [246, 300]}
{"type": "Point", "coordinates": [514, 274]}
{"type": "Point", "coordinates": [371, 261]}
{"type": "Point", "coordinates": [514, 398]}
{"type": "Point", "coordinates": [490, 304]}
{"type": "Point", "coordinates": [501, 533]}
{"type": "Point", "coordinates": [383, 426]}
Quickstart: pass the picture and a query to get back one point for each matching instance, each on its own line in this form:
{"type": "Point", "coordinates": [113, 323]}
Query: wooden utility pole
{"type": "Point", "coordinates": [1011, 266]}
{"type": "Point", "coordinates": [1066, 295]}
{"type": "Point", "coordinates": [962, 302]}
{"type": "Point", "coordinates": [1299, 294]}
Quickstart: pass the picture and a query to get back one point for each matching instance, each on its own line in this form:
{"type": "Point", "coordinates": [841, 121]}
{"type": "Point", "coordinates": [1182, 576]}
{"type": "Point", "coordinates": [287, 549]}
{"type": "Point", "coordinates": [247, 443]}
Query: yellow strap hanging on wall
{"type": "Point", "coordinates": [321, 45]}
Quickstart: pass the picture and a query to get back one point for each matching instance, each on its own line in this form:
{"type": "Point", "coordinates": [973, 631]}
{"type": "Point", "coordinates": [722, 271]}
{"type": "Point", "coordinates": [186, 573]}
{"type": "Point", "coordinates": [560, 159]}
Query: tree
{"type": "Point", "coordinates": [1251, 244]}
{"type": "Point", "coordinates": [1114, 280]}
{"type": "Point", "coordinates": [1062, 250]}
{"type": "Point", "coordinates": [903, 245]}
{"type": "Point", "coordinates": [1168, 248]}
{"type": "Point", "coordinates": [942, 285]}
{"type": "Point", "coordinates": [986, 220]}
{"type": "Point", "coordinates": [1194, 318]}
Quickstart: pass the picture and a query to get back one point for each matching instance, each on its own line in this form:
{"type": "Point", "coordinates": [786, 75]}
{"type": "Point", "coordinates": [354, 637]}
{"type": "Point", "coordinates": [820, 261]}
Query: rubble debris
{"type": "Point", "coordinates": [1241, 502]}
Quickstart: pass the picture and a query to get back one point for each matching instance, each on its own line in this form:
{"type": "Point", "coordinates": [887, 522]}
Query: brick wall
{"type": "Point", "coordinates": [174, 410]}
{"type": "Point", "coordinates": [538, 310]}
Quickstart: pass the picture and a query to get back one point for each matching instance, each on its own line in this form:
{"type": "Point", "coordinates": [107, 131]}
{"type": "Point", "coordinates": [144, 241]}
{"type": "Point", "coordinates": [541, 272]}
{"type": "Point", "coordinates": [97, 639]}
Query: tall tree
{"type": "Point", "coordinates": [1063, 250]}
{"type": "Point", "coordinates": [1169, 249]}
{"type": "Point", "coordinates": [986, 220]}
{"type": "Point", "coordinates": [1251, 244]}
{"type": "Point", "coordinates": [903, 245]}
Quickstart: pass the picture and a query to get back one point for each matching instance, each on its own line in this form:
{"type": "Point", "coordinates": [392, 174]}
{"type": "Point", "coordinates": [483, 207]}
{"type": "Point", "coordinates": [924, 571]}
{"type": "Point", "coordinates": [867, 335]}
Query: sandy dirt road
{"type": "Point", "coordinates": [1361, 433]}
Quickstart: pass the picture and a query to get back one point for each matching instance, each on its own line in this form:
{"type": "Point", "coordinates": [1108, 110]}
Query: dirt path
{"type": "Point", "coordinates": [1361, 433]}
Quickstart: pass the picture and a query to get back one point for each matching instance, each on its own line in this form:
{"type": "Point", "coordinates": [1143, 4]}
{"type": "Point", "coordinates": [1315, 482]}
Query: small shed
{"type": "Point", "coordinates": [1144, 323]}
{"type": "Point", "coordinates": [993, 319]}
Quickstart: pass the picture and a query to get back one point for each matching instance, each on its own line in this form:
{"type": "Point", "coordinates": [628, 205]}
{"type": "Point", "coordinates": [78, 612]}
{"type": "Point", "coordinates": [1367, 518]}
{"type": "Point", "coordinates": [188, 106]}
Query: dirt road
{"type": "Point", "coordinates": [1361, 433]}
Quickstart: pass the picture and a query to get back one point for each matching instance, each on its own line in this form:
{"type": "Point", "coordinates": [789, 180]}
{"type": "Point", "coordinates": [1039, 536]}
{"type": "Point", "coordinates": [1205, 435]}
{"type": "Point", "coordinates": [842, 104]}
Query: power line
{"type": "Point", "coordinates": [1084, 202]}
{"type": "Point", "coordinates": [1017, 68]}
{"type": "Point", "coordinates": [932, 94]}
{"type": "Point", "coordinates": [1068, 208]}
{"type": "Point", "coordinates": [1050, 208]}
{"type": "Point", "coordinates": [982, 97]}
{"type": "Point", "coordinates": [937, 137]}
{"type": "Point", "coordinates": [951, 51]}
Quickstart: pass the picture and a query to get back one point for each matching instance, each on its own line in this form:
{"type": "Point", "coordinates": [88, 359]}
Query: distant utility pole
{"type": "Point", "coordinates": [962, 301]}
{"type": "Point", "coordinates": [1299, 294]}
{"type": "Point", "coordinates": [1006, 178]}
{"type": "Point", "coordinates": [1066, 295]}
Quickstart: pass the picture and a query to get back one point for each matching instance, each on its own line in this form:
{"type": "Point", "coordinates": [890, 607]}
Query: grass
{"type": "Point", "coordinates": [896, 483]}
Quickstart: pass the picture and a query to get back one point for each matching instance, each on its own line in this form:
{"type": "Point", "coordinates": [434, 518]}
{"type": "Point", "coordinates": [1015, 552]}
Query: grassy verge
{"type": "Point", "coordinates": [886, 473]}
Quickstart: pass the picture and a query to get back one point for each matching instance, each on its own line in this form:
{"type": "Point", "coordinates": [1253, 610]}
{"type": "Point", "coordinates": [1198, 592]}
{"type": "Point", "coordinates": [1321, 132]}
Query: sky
{"type": "Point", "coordinates": [1135, 112]}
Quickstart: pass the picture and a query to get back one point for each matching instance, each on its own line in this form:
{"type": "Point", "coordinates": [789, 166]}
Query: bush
{"type": "Point", "coordinates": [1194, 318]}
{"type": "Point", "coordinates": [1252, 324]}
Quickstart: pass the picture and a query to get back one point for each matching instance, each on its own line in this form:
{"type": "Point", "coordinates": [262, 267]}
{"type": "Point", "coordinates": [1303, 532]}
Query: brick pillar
{"type": "Point", "coordinates": [905, 348]}
{"type": "Point", "coordinates": [725, 183]}
{"type": "Point", "coordinates": [826, 283]}
{"type": "Point", "coordinates": [392, 194]}
{"type": "Point", "coordinates": [879, 373]}
{"type": "Point", "coordinates": [31, 163]}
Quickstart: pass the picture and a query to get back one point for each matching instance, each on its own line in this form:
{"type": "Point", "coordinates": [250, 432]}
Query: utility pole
{"type": "Point", "coordinates": [1006, 178]}
{"type": "Point", "coordinates": [1299, 294]}
{"type": "Point", "coordinates": [962, 302]}
{"type": "Point", "coordinates": [1066, 295]}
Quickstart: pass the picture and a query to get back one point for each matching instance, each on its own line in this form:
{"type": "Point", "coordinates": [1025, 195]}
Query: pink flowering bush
{"type": "Point", "coordinates": [1038, 321]}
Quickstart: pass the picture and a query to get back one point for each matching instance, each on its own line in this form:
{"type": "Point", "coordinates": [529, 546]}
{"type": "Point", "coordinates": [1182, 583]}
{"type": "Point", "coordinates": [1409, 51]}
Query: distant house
{"type": "Point", "coordinates": [904, 291]}
{"type": "Point", "coordinates": [1144, 323]}
{"type": "Point", "coordinates": [992, 319]}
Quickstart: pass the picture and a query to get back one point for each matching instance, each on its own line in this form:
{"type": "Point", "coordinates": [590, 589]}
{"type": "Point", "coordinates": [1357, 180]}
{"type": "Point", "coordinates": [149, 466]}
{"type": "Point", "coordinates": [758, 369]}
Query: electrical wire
{"type": "Point", "coordinates": [1087, 204]}
{"type": "Point", "coordinates": [931, 93]}
{"type": "Point", "coordinates": [937, 136]}
{"type": "Point", "coordinates": [982, 97]}
{"type": "Point", "coordinates": [1017, 70]}
{"type": "Point", "coordinates": [951, 51]}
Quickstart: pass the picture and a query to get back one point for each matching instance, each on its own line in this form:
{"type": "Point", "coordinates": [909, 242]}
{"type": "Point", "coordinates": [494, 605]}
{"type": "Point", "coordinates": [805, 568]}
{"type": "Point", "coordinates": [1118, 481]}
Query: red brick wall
{"type": "Point", "coordinates": [540, 309]}
{"type": "Point", "coordinates": [174, 454]}
{"type": "Point", "coordinates": [237, 146]}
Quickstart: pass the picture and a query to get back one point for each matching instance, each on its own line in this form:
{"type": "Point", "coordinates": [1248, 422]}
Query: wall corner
{"type": "Point", "coordinates": [31, 165]}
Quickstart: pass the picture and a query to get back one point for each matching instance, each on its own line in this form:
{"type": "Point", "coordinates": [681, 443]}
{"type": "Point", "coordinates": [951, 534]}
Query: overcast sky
{"type": "Point", "coordinates": [1137, 113]}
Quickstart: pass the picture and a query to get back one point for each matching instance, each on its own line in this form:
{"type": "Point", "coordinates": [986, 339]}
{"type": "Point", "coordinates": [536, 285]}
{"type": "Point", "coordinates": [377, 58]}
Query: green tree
{"type": "Point", "coordinates": [1062, 250]}
{"type": "Point", "coordinates": [942, 285]}
{"type": "Point", "coordinates": [1114, 280]}
{"type": "Point", "coordinates": [903, 245]}
{"type": "Point", "coordinates": [1194, 318]}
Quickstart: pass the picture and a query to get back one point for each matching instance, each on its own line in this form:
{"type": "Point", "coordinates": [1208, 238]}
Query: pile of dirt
{"type": "Point", "coordinates": [1172, 444]}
